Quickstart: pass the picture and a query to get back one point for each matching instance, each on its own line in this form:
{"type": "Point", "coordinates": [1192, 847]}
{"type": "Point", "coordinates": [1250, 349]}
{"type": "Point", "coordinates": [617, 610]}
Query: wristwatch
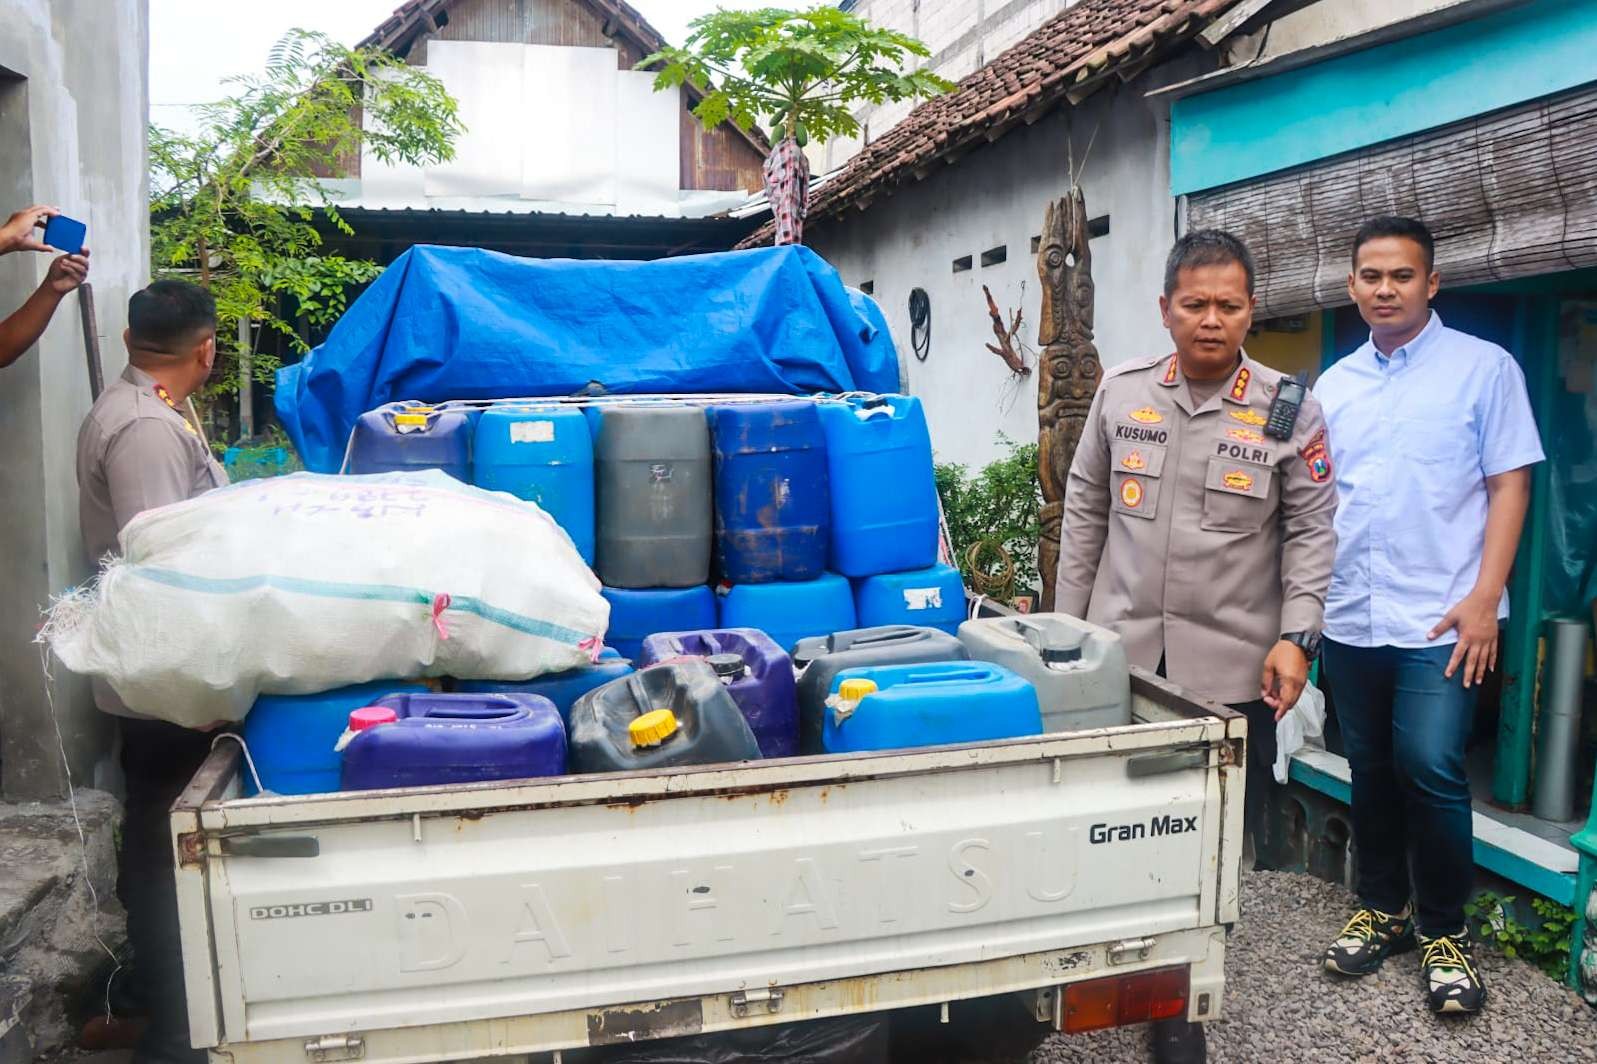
{"type": "Point", "coordinates": [1308, 642]}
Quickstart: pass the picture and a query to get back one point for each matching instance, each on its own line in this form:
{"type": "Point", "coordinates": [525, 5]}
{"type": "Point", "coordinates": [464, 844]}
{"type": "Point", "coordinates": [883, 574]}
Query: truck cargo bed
{"type": "Point", "coordinates": [471, 921]}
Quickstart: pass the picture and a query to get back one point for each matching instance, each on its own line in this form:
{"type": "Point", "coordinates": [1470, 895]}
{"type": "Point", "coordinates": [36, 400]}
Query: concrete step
{"type": "Point", "coordinates": [1545, 865]}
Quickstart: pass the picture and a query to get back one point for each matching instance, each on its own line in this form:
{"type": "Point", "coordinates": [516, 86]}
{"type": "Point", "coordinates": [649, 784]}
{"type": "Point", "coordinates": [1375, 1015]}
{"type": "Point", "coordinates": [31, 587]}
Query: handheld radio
{"type": "Point", "coordinates": [1283, 417]}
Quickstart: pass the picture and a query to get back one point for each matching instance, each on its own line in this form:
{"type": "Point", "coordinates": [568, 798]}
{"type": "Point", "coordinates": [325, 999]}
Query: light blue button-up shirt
{"type": "Point", "coordinates": [1413, 438]}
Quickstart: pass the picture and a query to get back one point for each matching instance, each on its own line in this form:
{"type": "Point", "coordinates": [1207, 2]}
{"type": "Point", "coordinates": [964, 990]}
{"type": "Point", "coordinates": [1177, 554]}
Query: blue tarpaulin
{"type": "Point", "coordinates": [462, 323]}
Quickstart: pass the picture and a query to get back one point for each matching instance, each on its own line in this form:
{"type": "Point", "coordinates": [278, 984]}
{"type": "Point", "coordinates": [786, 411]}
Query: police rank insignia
{"type": "Point", "coordinates": [166, 397]}
{"type": "Point", "coordinates": [1248, 417]}
{"type": "Point", "coordinates": [1238, 480]}
{"type": "Point", "coordinates": [1134, 460]}
{"type": "Point", "coordinates": [1170, 372]}
{"type": "Point", "coordinates": [1239, 390]}
{"type": "Point", "coordinates": [1147, 415]}
{"type": "Point", "coordinates": [1131, 493]}
{"type": "Point", "coordinates": [1317, 458]}
{"type": "Point", "coordinates": [1245, 435]}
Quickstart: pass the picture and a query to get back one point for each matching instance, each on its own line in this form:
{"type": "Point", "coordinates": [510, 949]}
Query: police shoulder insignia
{"type": "Point", "coordinates": [1245, 435]}
{"type": "Point", "coordinates": [1131, 493]}
{"type": "Point", "coordinates": [165, 396]}
{"type": "Point", "coordinates": [1170, 372]}
{"type": "Point", "coordinates": [1317, 458]}
{"type": "Point", "coordinates": [1248, 417]}
{"type": "Point", "coordinates": [1147, 415]}
{"type": "Point", "coordinates": [192, 431]}
{"type": "Point", "coordinates": [1239, 390]}
{"type": "Point", "coordinates": [1134, 460]}
{"type": "Point", "coordinates": [1238, 480]}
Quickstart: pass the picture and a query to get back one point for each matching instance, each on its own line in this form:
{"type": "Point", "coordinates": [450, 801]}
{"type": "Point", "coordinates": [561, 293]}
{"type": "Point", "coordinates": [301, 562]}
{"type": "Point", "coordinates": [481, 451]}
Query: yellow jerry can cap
{"type": "Point", "coordinates": [652, 728]}
{"type": "Point", "coordinates": [411, 417]}
{"type": "Point", "coordinates": [855, 689]}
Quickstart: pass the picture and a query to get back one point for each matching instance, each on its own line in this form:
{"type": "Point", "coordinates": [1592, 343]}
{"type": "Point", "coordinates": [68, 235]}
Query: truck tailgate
{"type": "Point", "coordinates": [325, 915]}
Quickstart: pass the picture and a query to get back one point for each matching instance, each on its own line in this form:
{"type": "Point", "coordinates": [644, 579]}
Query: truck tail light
{"type": "Point", "coordinates": [1122, 999]}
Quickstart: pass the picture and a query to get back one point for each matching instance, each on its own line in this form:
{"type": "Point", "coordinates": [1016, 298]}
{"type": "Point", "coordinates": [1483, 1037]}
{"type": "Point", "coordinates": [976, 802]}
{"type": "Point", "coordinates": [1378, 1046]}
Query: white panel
{"type": "Point", "coordinates": [648, 145]}
{"type": "Point", "coordinates": [486, 80]}
{"type": "Point", "coordinates": [568, 111]}
{"type": "Point", "coordinates": [387, 185]}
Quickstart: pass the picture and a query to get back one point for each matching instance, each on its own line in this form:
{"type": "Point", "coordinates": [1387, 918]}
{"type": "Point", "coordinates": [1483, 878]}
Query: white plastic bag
{"type": "Point", "coordinates": [304, 583]}
{"type": "Point", "coordinates": [1303, 725]}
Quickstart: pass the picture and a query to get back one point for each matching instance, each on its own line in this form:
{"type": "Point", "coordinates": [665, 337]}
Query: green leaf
{"type": "Point", "coordinates": [237, 205]}
{"type": "Point", "coordinates": [809, 67]}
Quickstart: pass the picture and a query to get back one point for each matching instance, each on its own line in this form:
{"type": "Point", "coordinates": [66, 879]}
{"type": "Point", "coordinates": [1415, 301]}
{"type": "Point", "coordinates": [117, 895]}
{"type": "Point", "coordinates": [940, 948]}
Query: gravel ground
{"type": "Point", "coordinates": [1280, 1008]}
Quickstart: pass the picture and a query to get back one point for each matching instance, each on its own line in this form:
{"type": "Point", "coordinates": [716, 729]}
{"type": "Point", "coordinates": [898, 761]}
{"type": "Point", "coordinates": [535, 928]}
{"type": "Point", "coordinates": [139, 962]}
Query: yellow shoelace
{"type": "Point", "coordinates": [1443, 952]}
{"type": "Point", "coordinates": [1362, 926]}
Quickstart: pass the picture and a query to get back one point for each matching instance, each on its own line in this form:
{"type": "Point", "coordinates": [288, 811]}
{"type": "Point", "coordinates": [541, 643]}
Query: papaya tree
{"type": "Point", "coordinates": [801, 74]}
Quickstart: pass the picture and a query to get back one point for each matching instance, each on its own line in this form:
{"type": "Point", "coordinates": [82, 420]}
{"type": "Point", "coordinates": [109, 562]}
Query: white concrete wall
{"type": "Point", "coordinates": [963, 35]}
{"type": "Point", "coordinates": [73, 103]}
{"type": "Point", "coordinates": [1327, 21]}
{"type": "Point", "coordinates": [549, 128]}
{"type": "Point", "coordinates": [997, 195]}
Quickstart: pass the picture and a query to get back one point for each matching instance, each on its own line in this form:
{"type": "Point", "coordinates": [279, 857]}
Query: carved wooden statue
{"type": "Point", "coordinates": [1071, 369]}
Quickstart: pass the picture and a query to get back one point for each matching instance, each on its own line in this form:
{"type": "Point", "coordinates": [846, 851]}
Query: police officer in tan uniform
{"type": "Point", "coordinates": [1190, 529]}
{"type": "Point", "coordinates": [137, 451]}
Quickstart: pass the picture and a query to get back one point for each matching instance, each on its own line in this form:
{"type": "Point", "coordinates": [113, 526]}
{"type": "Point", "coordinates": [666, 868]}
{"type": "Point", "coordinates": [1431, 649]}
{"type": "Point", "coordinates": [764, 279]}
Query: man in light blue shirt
{"type": "Point", "coordinates": [1431, 440]}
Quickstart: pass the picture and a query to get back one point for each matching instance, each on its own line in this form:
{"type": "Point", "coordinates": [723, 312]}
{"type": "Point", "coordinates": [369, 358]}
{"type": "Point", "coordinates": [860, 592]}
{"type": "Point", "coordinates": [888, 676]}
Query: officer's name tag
{"type": "Point", "coordinates": [1141, 433]}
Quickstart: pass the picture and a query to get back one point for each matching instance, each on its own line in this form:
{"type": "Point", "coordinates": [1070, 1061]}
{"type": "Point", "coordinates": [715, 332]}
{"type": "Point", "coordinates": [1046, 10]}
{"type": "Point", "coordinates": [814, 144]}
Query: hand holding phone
{"type": "Point", "coordinates": [17, 234]}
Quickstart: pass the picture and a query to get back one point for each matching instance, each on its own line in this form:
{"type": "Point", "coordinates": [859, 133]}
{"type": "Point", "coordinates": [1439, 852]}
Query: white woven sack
{"type": "Point", "coordinates": [304, 583]}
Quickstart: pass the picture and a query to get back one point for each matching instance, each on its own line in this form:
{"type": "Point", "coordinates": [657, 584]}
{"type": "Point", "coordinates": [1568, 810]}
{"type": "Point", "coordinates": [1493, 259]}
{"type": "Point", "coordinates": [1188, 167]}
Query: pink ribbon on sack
{"type": "Point", "coordinates": [592, 645]}
{"type": "Point", "coordinates": [440, 604]}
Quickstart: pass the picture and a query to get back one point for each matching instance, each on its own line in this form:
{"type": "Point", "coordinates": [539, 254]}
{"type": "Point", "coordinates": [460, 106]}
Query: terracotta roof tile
{"type": "Point", "coordinates": [1087, 41]}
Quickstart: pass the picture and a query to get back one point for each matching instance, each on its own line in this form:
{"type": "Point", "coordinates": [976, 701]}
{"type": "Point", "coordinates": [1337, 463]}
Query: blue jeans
{"type": "Point", "coordinates": [1404, 727]}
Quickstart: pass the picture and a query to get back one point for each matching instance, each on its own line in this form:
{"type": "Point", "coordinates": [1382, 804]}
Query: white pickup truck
{"type": "Point", "coordinates": [1092, 873]}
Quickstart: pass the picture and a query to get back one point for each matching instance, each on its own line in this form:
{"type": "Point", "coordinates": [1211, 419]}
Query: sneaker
{"type": "Point", "coordinates": [1452, 982]}
{"type": "Point", "coordinates": [1367, 940]}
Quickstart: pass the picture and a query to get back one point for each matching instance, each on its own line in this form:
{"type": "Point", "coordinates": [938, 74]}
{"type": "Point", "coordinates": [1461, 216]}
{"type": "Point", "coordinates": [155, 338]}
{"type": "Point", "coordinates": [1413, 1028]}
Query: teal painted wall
{"type": "Point", "coordinates": [1363, 98]}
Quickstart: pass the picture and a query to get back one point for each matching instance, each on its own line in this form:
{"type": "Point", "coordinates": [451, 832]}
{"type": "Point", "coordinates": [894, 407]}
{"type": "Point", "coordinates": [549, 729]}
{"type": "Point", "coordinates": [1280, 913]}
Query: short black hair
{"type": "Point", "coordinates": [1396, 225]}
{"type": "Point", "coordinates": [168, 314]}
{"type": "Point", "coordinates": [1206, 247]}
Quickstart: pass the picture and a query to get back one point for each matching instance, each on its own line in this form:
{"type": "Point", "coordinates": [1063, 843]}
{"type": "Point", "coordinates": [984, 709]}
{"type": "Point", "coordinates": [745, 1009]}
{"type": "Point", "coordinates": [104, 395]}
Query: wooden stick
{"type": "Point", "coordinates": [91, 340]}
{"type": "Point", "coordinates": [1005, 348]}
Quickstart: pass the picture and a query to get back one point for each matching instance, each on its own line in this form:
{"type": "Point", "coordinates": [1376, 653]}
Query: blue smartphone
{"type": "Point", "coordinates": [65, 233]}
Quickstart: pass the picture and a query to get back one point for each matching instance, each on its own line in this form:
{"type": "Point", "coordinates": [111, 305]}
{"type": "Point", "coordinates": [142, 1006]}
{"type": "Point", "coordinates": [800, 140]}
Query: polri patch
{"type": "Point", "coordinates": [1134, 460]}
{"type": "Point", "coordinates": [1238, 480]}
{"type": "Point", "coordinates": [1147, 415]}
{"type": "Point", "coordinates": [1245, 435]}
{"type": "Point", "coordinates": [1317, 458]}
